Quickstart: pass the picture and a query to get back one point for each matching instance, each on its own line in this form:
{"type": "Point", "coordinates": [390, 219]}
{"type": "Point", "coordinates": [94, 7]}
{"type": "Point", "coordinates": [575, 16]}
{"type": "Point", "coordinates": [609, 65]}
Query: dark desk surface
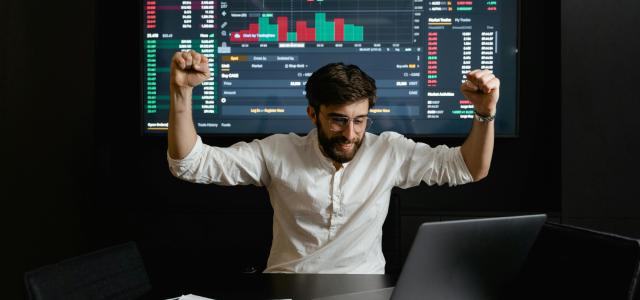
{"type": "Point", "coordinates": [274, 286]}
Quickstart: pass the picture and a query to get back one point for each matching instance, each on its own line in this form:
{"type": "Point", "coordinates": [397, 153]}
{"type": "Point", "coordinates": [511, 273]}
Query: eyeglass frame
{"type": "Point", "coordinates": [368, 121]}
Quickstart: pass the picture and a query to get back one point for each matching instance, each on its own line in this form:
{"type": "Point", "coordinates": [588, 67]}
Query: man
{"type": "Point", "coordinates": [329, 189]}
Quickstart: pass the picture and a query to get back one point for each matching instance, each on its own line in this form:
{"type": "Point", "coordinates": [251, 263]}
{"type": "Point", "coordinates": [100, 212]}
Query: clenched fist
{"type": "Point", "coordinates": [482, 88]}
{"type": "Point", "coordinates": [189, 69]}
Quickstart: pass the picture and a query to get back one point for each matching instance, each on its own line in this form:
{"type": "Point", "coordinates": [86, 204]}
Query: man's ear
{"type": "Point", "coordinates": [312, 114]}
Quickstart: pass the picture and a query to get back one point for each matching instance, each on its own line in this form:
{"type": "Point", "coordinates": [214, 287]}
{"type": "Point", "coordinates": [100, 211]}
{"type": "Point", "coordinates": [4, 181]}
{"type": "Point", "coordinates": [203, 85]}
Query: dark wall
{"type": "Point", "coordinates": [600, 106]}
{"type": "Point", "coordinates": [78, 175]}
{"type": "Point", "coordinates": [46, 116]}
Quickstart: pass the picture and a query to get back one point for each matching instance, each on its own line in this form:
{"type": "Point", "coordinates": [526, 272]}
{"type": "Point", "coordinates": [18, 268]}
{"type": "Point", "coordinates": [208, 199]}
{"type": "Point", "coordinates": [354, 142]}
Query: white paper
{"type": "Point", "coordinates": [190, 297]}
{"type": "Point", "coordinates": [194, 297]}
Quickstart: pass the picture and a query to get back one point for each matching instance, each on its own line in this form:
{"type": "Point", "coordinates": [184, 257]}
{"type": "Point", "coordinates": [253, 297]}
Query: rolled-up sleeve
{"type": "Point", "coordinates": [421, 162]}
{"type": "Point", "coordinates": [240, 164]}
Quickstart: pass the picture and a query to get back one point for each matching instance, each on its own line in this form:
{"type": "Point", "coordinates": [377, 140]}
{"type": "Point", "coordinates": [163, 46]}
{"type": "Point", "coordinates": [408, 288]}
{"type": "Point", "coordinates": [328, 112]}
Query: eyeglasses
{"type": "Point", "coordinates": [337, 124]}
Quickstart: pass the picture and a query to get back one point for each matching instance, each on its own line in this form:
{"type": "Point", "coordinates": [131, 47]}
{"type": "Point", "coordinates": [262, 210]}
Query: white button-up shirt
{"type": "Point", "coordinates": [325, 220]}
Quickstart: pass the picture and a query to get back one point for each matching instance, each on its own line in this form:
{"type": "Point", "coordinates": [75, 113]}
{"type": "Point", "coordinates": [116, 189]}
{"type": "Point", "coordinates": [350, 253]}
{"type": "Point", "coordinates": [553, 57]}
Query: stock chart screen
{"type": "Point", "coordinates": [261, 53]}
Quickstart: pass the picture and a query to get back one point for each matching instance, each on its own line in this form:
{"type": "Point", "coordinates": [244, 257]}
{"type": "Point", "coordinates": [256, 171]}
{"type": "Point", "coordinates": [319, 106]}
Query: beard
{"type": "Point", "coordinates": [331, 146]}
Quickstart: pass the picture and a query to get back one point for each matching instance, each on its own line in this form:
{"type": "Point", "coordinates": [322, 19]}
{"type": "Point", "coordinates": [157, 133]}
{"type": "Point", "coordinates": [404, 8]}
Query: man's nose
{"type": "Point", "coordinates": [349, 131]}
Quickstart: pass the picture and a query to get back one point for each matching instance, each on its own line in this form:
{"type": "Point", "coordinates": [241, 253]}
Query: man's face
{"type": "Point", "coordinates": [341, 129]}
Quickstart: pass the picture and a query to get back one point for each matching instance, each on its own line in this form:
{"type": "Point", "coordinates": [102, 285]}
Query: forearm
{"type": "Point", "coordinates": [477, 150]}
{"type": "Point", "coordinates": [182, 134]}
{"type": "Point", "coordinates": [482, 88]}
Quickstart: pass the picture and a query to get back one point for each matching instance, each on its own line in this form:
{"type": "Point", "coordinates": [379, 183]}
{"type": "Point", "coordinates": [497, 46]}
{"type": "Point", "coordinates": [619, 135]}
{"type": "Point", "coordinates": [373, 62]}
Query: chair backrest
{"type": "Point", "coordinates": [116, 273]}
{"type": "Point", "coordinates": [568, 262]}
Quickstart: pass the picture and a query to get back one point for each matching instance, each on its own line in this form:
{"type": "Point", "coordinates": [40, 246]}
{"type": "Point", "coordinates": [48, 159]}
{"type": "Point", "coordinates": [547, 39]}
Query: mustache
{"type": "Point", "coordinates": [342, 140]}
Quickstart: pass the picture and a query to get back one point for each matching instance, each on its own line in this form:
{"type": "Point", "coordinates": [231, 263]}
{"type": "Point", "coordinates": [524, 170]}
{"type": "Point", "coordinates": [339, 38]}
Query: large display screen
{"type": "Point", "coordinates": [261, 53]}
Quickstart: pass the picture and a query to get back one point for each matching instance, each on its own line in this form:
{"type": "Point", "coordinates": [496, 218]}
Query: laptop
{"type": "Point", "coordinates": [468, 259]}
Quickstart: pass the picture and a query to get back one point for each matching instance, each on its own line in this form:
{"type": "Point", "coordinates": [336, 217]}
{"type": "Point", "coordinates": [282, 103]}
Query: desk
{"type": "Point", "coordinates": [275, 286]}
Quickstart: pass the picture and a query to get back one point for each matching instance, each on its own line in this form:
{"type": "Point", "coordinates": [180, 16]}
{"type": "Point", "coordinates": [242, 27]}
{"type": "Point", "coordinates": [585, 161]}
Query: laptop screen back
{"type": "Point", "coordinates": [470, 259]}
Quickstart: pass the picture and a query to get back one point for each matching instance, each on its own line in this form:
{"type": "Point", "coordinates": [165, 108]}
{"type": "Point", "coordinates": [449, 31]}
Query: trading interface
{"type": "Point", "coordinates": [261, 53]}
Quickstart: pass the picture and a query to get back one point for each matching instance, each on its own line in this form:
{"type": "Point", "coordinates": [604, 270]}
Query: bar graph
{"type": "Point", "coordinates": [324, 30]}
{"type": "Point", "coordinates": [327, 21]}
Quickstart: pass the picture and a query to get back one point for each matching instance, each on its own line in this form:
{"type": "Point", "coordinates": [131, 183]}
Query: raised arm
{"type": "Point", "coordinates": [188, 70]}
{"type": "Point", "coordinates": [482, 88]}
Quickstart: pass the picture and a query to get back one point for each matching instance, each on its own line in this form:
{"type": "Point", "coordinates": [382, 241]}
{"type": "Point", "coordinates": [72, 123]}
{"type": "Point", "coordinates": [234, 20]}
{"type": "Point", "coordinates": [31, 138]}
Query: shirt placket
{"type": "Point", "coordinates": [336, 202]}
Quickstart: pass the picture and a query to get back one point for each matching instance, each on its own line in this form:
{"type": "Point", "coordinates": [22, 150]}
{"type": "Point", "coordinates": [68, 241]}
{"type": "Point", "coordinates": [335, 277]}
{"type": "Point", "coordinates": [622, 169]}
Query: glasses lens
{"type": "Point", "coordinates": [338, 123]}
{"type": "Point", "coordinates": [368, 124]}
{"type": "Point", "coordinates": [359, 124]}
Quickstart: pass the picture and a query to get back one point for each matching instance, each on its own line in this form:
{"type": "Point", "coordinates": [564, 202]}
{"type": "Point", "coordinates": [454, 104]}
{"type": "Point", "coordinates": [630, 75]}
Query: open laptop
{"type": "Point", "coordinates": [468, 259]}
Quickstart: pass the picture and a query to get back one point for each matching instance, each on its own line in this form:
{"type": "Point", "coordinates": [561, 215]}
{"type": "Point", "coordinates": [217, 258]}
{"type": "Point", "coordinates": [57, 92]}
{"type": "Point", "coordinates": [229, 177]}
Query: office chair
{"type": "Point", "coordinates": [115, 273]}
{"type": "Point", "coordinates": [569, 262]}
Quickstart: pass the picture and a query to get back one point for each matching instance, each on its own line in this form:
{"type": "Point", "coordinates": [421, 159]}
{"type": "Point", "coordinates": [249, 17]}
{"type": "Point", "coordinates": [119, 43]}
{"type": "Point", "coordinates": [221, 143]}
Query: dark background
{"type": "Point", "coordinates": [77, 175]}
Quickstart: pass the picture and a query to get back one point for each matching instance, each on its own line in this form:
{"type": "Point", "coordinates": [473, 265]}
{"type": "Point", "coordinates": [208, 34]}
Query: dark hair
{"type": "Point", "coordinates": [337, 83]}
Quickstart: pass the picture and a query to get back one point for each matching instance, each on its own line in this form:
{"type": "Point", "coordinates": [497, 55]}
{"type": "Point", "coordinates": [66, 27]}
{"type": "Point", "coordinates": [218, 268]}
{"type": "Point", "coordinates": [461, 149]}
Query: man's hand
{"type": "Point", "coordinates": [482, 88]}
{"type": "Point", "coordinates": [189, 69]}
